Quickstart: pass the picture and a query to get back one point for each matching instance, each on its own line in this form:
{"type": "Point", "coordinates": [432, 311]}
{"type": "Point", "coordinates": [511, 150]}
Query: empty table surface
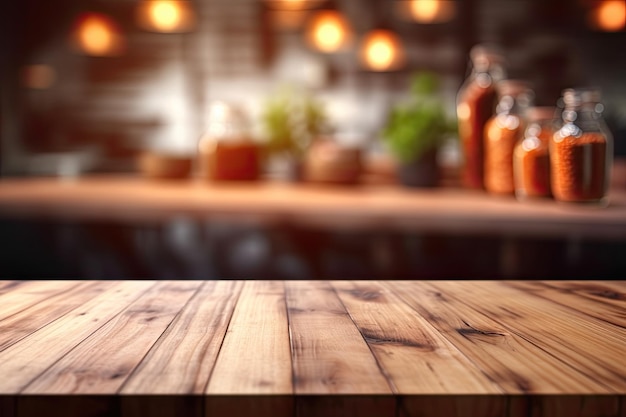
{"type": "Point", "coordinates": [296, 347]}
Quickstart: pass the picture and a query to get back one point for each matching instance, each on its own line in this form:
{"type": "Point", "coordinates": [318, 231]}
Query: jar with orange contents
{"type": "Point", "coordinates": [531, 161]}
{"type": "Point", "coordinates": [581, 151]}
{"type": "Point", "coordinates": [502, 132]}
{"type": "Point", "coordinates": [227, 151]}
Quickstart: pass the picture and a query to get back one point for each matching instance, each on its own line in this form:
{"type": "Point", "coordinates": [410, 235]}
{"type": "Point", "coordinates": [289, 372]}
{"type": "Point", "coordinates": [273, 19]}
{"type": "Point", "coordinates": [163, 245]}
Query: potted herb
{"type": "Point", "coordinates": [415, 130]}
{"type": "Point", "coordinates": [291, 121]}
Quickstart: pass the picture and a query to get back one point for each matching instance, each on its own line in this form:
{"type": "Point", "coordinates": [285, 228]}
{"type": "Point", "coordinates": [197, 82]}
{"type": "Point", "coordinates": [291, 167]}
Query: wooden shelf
{"type": "Point", "coordinates": [386, 207]}
{"type": "Point", "coordinates": [418, 348]}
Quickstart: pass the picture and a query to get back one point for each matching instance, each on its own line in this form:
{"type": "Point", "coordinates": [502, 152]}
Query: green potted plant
{"type": "Point", "coordinates": [291, 120]}
{"type": "Point", "coordinates": [416, 129]}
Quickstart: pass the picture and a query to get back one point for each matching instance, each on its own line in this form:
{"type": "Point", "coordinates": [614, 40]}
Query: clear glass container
{"type": "Point", "coordinates": [227, 151]}
{"type": "Point", "coordinates": [502, 133]}
{"type": "Point", "coordinates": [476, 103]}
{"type": "Point", "coordinates": [531, 160]}
{"type": "Point", "coordinates": [581, 151]}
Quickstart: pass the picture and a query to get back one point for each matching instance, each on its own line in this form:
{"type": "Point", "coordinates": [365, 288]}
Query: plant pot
{"type": "Point", "coordinates": [422, 172]}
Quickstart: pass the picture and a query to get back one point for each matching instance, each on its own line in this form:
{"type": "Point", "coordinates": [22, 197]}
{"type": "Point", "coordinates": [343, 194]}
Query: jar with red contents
{"type": "Point", "coordinates": [502, 133]}
{"type": "Point", "coordinates": [581, 151]}
{"type": "Point", "coordinates": [531, 161]}
{"type": "Point", "coordinates": [476, 102]}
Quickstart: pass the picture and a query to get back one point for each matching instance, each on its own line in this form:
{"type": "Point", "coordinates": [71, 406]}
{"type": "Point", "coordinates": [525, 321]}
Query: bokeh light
{"type": "Point", "coordinates": [168, 16]}
{"type": "Point", "coordinates": [382, 50]}
{"type": "Point", "coordinates": [328, 31]}
{"type": "Point", "coordinates": [97, 34]}
{"type": "Point", "coordinates": [609, 16]}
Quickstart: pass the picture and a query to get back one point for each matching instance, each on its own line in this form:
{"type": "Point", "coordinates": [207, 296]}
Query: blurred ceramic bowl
{"type": "Point", "coordinates": [164, 166]}
{"type": "Point", "coordinates": [331, 163]}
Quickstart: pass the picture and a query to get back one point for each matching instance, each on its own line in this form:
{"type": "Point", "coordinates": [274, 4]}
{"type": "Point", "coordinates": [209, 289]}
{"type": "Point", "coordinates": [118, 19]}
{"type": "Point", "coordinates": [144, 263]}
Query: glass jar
{"type": "Point", "coordinates": [531, 161]}
{"type": "Point", "coordinates": [227, 151]}
{"type": "Point", "coordinates": [475, 105]}
{"type": "Point", "coordinates": [502, 132]}
{"type": "Point", "coordinates": [581, 151]}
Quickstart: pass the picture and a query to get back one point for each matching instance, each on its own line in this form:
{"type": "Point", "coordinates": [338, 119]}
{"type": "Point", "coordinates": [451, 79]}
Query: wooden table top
{"type": "Point", "coordinates": [368, 206]}
{"type": "Point", "coordinates": [376, 340]}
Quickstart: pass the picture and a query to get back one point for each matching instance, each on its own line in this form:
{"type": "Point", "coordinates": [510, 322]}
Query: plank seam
{"type": "Point", "coordinates": [86, 337]}
{"type": "Point", "coordinates": [130, 374]}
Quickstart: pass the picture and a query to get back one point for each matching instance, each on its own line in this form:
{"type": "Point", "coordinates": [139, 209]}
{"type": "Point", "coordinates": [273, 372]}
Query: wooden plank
{"type": "Point", "coordinates": [11, 285]}
{"type": "Point", "coordinates": [568, 406]}
{"type": "Point", "coordinates": [453, 405]}
{"type": "Point", "coordinates": [21, 324]}
{"type": "Point", "coordinates": [181, 361]}
{"type": "Point", "coordinates": [25, 360]}
{"type": "Point", "coordinates": [160, 406]}
{"type": "Point", "coordinates": [7, 406]}
{"type": "Point", "coordinates": [67, 406]}
{"type": "Point", "coordinates": [413, 354]}
{"type": "Point", "coordinates": [592, 300]}
{"type": "Point", "coordinates": [515, 364]}
{"type": "Point", "coordinates": [595, 348]}
{"type": "Point", "coordinates": [346, 406]}
{"type": "Point", "coordinates": [255, 357]}
{"type": "Point", "coordinates": [328, 351]}
{"type": "Point", "coordinates": [27, 294]}
{"type": "Point", "coordinates": [102, 362]}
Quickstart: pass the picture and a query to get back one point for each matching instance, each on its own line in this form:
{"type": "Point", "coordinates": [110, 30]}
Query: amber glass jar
{"type": "Point", "coordinates": [476, 103]}
{"type": "Point", "coordinates": [581, 151]}
{"type": "Point", "coordinates": [531, 161]}
{"type": "Point", "coordinates": [227, 151]}
{"type": "Point", "coordinates": [502, 132]}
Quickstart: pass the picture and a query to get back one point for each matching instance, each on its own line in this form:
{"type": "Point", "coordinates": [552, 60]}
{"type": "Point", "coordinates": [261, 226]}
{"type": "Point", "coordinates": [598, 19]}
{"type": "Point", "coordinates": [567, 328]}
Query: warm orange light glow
{"type": "Point", "coordinates": [288, 19]}
{"type": "Point", "coordinates": [167, 16]}
{"type": "Point", "coordinates": [96, 34]}
{"type": "Point", "coordinates": [328, 31]}
{"type": "Point", "coordinates": [382, 50]}
{"type": "Point", "coordinates": [609, 16]}
{"type": "Point", "coordinates": [38, 76]}
{"type": "Point", "coordinates": [426, 11]}
{"type": "Point", "coordinates": [293, 4]}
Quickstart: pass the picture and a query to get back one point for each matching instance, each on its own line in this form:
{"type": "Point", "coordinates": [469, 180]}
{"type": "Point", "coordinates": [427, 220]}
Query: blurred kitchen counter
{"type": "Point", "coordinates": [372, 207]}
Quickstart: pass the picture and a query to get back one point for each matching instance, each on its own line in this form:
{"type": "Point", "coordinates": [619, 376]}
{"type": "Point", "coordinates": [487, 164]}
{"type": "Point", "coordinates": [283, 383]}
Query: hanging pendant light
{"type": "Point", "coordinates": [166, 16]}
{"type": "Point", "coordinates": [382, 50]}
{"type": "Point", "coordinates": [96, 34]}
{"type": "Point", "coordinates": [426, 11]}
{"type": "Point", "coordinates": [608, 16]}
{"type": "Point", "coordinates": [293, 5]}
{"type": "Point", "coordinates": [328, 31]}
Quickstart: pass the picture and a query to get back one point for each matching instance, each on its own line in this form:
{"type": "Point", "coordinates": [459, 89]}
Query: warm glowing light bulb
{"type": "Point", "coordinates": [97, 35]}
{"type": "Point", "coordinates": [611, 15]}
{"type": "Point", "coordinates": [165, 15]}
{"type": "Point", "coordinates": [382, 51]}
{"type": "Point", "coordinates": [425, 10]}
{"type": "Point", "coordinates": [328, 31]}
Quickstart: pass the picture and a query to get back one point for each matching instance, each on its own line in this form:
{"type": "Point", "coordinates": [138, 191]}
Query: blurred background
{"type": "Point", "coordinates": [89, 86]}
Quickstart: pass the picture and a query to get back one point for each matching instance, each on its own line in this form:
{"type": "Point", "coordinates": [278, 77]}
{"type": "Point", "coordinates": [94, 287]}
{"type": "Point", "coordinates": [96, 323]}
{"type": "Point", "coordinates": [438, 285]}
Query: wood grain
{"type": "Point", "coordinates": [182, 359]}
{"type": "Point", "coordinates": [506, 358]}
{"type": "Point", "coordinates": [36, 316]}
{"type": "Point", "coordinates": [594, 348]}
{"type": "Point", "coordinates": [26, 294]}
{"type": "Point", "coordinates": [606, 303]}
{"type": "Point", "coordinates": [255, 357]}
{"type": "Point", "coordinates": [122, 341]}
{"type": "Point", "coordinates": [313, 348]}
{"type": "Point", "coordinates": [22, 362]}
{"type": "Point", "coordinates": [321, 334]}
{"type": "Point", "coordinates": [413, 354]}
